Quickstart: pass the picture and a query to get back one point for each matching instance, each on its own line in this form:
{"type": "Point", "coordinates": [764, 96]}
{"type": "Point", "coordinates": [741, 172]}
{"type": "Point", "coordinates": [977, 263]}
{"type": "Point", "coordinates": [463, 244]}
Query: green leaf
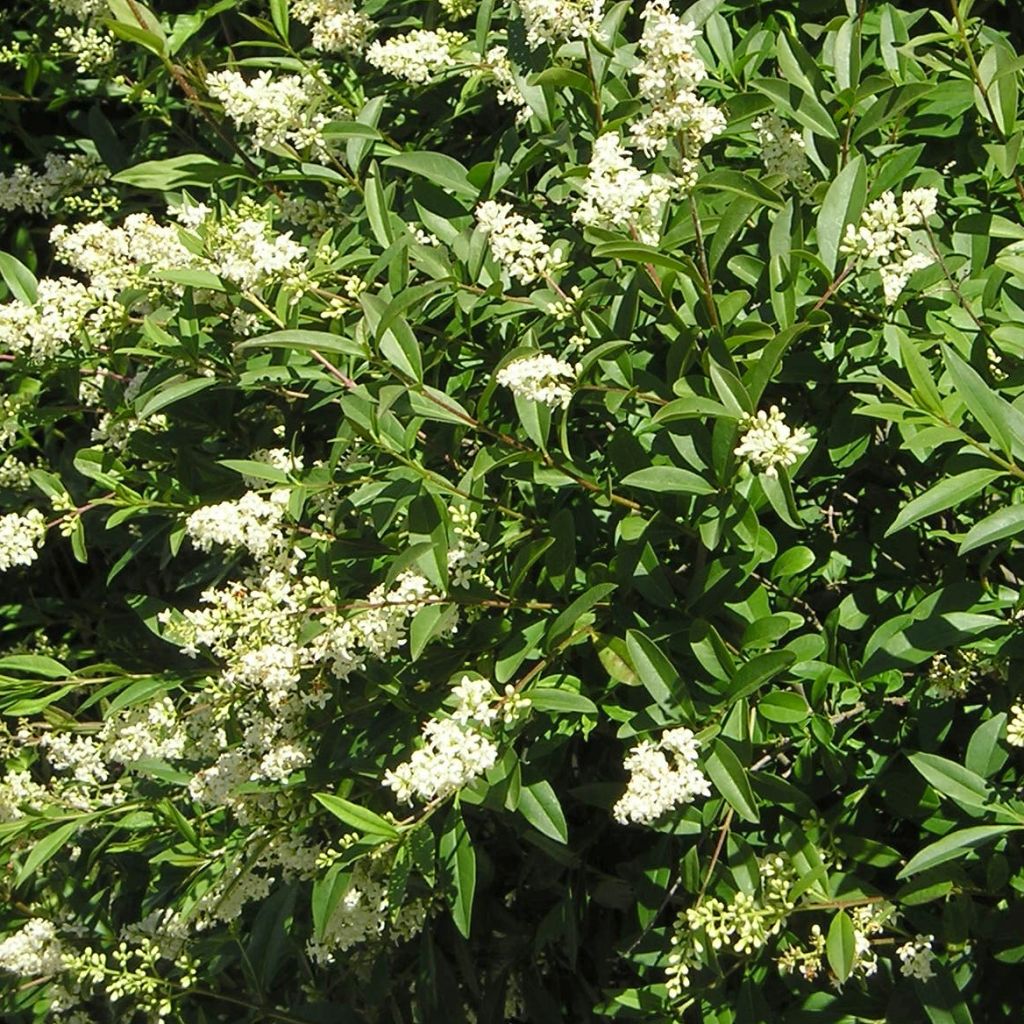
{"type": "Point", "coordinates": [551, 698]}
{"type": "Point", "coordinates": [177, 172]}
{"type": "Point", "coordinates": [358, 817]}
{"type": "Point", "coordinates": [327, 893]}
{"type": "Point", "coordinates": [1003, 422]}
{"type": "Point", "coordinates": [637, 252]}
{"type": "Point", "coordinates": [34, 665]}
{"type": "Point", "coordinates": [954, 845]}
{"type": "Point", "coordinates": [985, 754]}
{"type": "Point", "coordinates": [458, 861]}
{"type": "Point", "coordinates": [436, 167]}
{"type": "Point", "coordinates": [170, 392]}
{"type": "Point", "coordinates": [656, 673]}
{"type": "Point", "coordinates": [47, 848]}
{"type": "Point", "coordinates": [257, 470]}
{"type": "Point", "coordinates": [564, 623]}
{"type": "Point", "coordinates": [279, 16]}
{"type": "Point", "coordinates": [539, 805]}
{"type": "Point", "coordinates": [376, 205]}
{"type": "Point", "coordinates": [752, 675]}
{"type": "Point", "coordinates": [783, 706]}
{"type": "Point", "coordinates": [668, 479]}
{"type": "Point", "coordinates": [945, 494]}
{"type": "Point", "coordinates": [307, 341]}
{"type": "Point", "coordinates": [562, 78]}
{"type": "Point", "coordinates": [1006, 522]}
{"type": "Point", "coordinates": [841, 946]}
{"type": "Point", "coordinates": [21, 281]}
{"type": "Point", "coordinates": [842, 205]}
{"type": "Point", "coordinates": [952, 780]}
{"type": "Point", "coordinates": [730, 779]}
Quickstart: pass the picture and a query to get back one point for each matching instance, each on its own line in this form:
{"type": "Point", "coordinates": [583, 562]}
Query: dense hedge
{"type": "Point", "coordinates": [511, 511]}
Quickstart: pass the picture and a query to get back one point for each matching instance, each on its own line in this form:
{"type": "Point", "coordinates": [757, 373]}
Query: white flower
{"type": "Point", "coordinates": [1015, 726]}
{"type": "Point", "coordinates": [518, 244]}
{"type": "Point", "coordinates": [336, 25]}
{"type": "Point", "coordinates": [418, 55]}
{"type": "Point", "coordinates": [151, 732]}
{"type": "Point", "coordinates": [18, 791]}
{"type": "Point", "coordinates": [917, 958]}
{"type": "Point", "coordinates": [497, 64]}
{"type": "Point", "coordinates": [883, 236]}
{"type": "Point", "coordinates": [668, 74]}
{"type": "Point", "coordinates": [458, 8]}
{"type": "Point", "coordinates": [20, 538]}
{"type": "Point", "coordinates": [252, 523]}
{"type": "Point", "coordinates": [617, 194]}
{"type": "Point", "coordinates": [769, 442]}
{"type": "Point", "coordinates": [783, 151]}
{"type": "Point", "coordinates": [658, 783]}
{"type": "Point", "coordinates": [61, 175]}
{"type": "Point", "coordinates": [83, 10]}
{"type": "Point", "coordinates": [452, 755]}
{"type": "Point", "coordinates": [34, 951]}
{"type": "Point", "coordinates": [274, 111]}
{"type": "Point", "coordinates": [554, 21]}
{"type": "Point", "coordinates": [249, 253]}
{"type": "Point", "coordinates": [51, 325]}
{"type": "Point", "coordinates": [91, 48]}
{"type": "Point", "coordinates": [540, 378]}
{"type": "Point", "coordinates": [121, 257]}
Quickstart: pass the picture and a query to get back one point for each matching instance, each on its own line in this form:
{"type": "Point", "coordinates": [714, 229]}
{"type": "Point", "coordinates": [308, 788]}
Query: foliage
{"type": "Point", "coordinates": [511, 511]}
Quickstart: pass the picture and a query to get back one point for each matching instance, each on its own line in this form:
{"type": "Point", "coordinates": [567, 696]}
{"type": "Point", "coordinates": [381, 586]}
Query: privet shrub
{"type": "Point", "coordinates": [510, 512]}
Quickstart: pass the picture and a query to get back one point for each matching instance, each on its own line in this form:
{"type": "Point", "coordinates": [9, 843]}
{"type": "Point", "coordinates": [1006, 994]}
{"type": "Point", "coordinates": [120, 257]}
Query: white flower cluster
{"type": "Point", "coordinates": [659, 783]}
{"type": "Point", "coordinates": [458, 8]}
{"type": "Point", "coordinates": [456, 750]}
{"type": "Point", "coordinates": [418, 55]}
{"type": "Point", "coordinates": [244, 249]}
{"type": "Point", "coordinates": [274, 111]}
{"type": "Point", "coordinates": [51, 325]}
{"type": "Point", "coordinates": [1015, 726]}
{"type": "Point", "coordinates": [783, 151]}
{"type": "Point", "coordinates": [85, 764]}
{"type": "Point", "coordinates": [554, 21]}
{"type": "Point", "coordinates": [883, 237]}
{"type": "Point", "coordinates": [363, 914]}
{"type": "Point", "coordinates": [805, 959]}
{"type": "Point", "coordinates": [497, 64]}
{"type": "Point", "coordinates": [32, 192]}
{"type": "Point", "coordinates": [21, 535]}
{"type": "Point", "coordinates": [540, 378]}
{"type": "Point", "coordinates": [83, 10]}
{"type": "Point", "coordinates": [466, 557]}
{"type": "Point", "coordinates": [151, 732]}
{"type": "Point", "coordinates": [669, 72]}
{"type": "Point", "coordinates": [518, 243]}
{"type": "Point", "coordinates": [336, 25]}
{"type": "Point", "coordinates": [743, 925]}
{"type": "Point", "coordinates": [916, 958]}
{"type": "Point", "coordinates": [952, 678]}
{"type": "Point", "coordinates": [121, 257]}
{"type": "Point", "coordinates": [617, 194]}
{"type": "Point", "coordinates": [91, 48]}
{"type": "Point", "coordinates": [769, 442]}
{"type": "Point", "coordinates": [252, 523]}
{"type": "Point", "coordinates": [33, 951]}
{"type": "Point", "coordinates": [868, 921]}
{"type": "Point", "coordinates": [20, 793]}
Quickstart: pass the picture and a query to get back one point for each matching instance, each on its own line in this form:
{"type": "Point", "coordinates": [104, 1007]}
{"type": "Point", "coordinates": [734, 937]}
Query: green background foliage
{"type": "Point", "coordinates": [640, 576]}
